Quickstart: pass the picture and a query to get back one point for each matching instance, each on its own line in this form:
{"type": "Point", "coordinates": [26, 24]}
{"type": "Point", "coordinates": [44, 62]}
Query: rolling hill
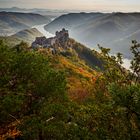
{"type": "Point", "coordinates": [27, 35]}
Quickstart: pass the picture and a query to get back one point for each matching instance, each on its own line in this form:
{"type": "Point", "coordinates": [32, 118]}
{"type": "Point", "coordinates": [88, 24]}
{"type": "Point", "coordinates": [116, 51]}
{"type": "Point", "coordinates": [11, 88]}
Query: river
{"type": "Point", "coordinates": [43, 31]}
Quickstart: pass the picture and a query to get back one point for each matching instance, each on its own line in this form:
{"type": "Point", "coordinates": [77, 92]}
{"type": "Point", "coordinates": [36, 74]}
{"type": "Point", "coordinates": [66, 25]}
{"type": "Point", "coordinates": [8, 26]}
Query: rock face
{"type": "Point", "coordinates": [60, 37]}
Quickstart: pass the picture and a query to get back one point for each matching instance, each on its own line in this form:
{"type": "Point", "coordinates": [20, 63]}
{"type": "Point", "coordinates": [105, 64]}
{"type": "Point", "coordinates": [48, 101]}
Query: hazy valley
{"type": "Point", "coordinates": [111, 30]}
{"type": "Point", "coordinates": [13, 22]}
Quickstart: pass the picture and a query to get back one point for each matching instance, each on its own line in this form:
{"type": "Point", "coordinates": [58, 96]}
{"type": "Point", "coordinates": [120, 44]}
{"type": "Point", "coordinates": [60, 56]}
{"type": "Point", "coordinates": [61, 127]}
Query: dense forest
{"type": "Point", "coordinates": [35, 100]}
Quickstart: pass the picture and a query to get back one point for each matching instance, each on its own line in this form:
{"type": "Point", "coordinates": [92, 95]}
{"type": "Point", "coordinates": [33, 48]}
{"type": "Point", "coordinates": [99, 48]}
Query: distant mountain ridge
{"type": "Point", "coordinates": [46, 12]}
{"type": "Point", "coordinates": [71, 20]}
{"type": "Point", "coordinates": [12, 22]}
{"type": "Point", "coordinates": [106, 29]}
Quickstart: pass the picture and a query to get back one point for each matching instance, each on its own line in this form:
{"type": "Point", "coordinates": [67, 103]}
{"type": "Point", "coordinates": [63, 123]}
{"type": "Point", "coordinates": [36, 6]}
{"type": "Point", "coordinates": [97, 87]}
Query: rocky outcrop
{"type": "Point", "coordinates": [43, 42]}
{"type": "Point", "coordinates": [60, 38]}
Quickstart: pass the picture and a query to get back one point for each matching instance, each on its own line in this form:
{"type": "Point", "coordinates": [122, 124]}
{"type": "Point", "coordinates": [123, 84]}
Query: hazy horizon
{"type": "Point", "coordinates": [85, 5]}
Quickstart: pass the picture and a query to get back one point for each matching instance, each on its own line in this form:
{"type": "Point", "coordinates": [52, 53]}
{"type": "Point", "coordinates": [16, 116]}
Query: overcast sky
{"type": "Point", "coordinates": [98, 5]}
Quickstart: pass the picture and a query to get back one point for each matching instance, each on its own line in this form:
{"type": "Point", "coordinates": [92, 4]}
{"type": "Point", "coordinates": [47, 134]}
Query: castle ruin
{"type": "Point", "coordinates": [60, 37]}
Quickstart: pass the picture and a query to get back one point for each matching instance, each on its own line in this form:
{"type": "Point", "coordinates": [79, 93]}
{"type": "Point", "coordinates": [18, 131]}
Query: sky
{"type": "Point", "coordinates": [91, 5]}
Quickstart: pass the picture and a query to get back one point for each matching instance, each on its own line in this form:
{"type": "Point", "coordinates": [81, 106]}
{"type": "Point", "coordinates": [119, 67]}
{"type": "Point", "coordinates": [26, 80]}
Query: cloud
{"type": "Point", "coordinates": [113, 5]}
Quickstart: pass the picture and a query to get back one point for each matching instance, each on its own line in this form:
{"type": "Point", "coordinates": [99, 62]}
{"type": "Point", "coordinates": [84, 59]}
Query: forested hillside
{"type": "Point", "coordinates": [62, 96]}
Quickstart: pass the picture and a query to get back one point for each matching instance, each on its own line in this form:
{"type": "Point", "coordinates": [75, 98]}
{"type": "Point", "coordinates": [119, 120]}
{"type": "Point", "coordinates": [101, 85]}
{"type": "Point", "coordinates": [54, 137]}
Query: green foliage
{"type": "Point", "coordinates": [123, 89]}
{"type": "Point", "coordinates": [27, 83]}
{"type": "Point", "coordinates": [135, 63]}
{"type": "Point", "coordinates": [34, 95]}
{"type": "Point", "coordinates": [113, 71]}
{"type": "Point", "coordinates": [127, 99]}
